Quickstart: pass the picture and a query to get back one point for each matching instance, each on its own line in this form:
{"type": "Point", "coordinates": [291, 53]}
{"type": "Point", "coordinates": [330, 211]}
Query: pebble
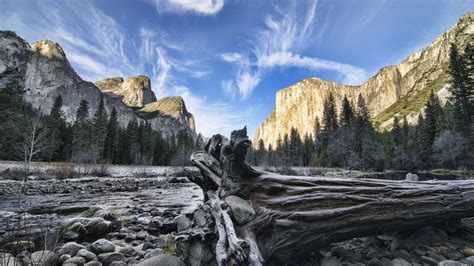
{"type": "Point", "coordinates": [76, 260]}
{"type": "Point", "coordinates": [331, 261]}
{"type": "Point", "coordinates": [400, 262]}
{"type": "Point", "coordinates": [429, 261]}
{"type": "Point", "coordinates": [102, 246]}
{"type": "Point", "coordinates": [469, 252]}
{"type": "Point", "coordinates": [451, 263]}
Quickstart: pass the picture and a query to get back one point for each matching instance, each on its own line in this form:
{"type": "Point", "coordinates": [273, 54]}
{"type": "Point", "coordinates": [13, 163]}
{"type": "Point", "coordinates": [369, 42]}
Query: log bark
{"type": "Point", "coordinates": [296, 215]}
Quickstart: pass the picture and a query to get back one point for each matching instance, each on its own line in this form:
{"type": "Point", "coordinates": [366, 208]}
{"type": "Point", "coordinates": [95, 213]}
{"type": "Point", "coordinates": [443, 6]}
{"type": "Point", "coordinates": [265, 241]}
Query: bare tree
{"type": "Point", "coordinates": [33, 143]}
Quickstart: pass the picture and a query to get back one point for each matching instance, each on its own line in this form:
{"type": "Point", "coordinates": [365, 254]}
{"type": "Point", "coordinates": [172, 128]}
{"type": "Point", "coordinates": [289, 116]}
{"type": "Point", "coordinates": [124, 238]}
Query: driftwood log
{"type": "Point", "coordinates": [278, 217]}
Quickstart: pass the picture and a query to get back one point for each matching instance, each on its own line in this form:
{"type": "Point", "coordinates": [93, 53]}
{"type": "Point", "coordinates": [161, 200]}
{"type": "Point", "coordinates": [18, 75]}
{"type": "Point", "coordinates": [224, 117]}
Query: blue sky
{"type": "Point", "coordinates": [227, 58]}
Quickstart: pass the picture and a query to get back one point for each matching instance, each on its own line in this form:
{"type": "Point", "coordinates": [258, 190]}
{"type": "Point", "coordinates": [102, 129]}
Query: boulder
{"type": "Point", "coordinates": [70, 248]}
{"type": "Point", "coordinates": [331, 261]}
{"type": "Point", "coordinates": [400, 262]}
{"type": "Point", "coordinates": [108, 258]}
{"type": "Point", "coordinates": [102, 246]}
{"type": "Point", "coordinates": [165, 259]}
{"type": "Point", "coordinates": [182, 223]}
{"type": "Point", "coordinates": [469, 252]}
{"type": "Point", "coordinates": [451, 263]}
{"type": "Point", "coordinates": [63, 258]}
{"type": "Point", "coordinates": [76, 260]}
{"type": "Point", "coordinates": [153, 252]}
{"type": "Point", "coordinates": [93, 263]}
{"type": "Point", "coordinates": [89, 256]}
{"type": "Point", "coordinates": [128, 251]}
{"type": "Point", "coordinates": [241, 209]}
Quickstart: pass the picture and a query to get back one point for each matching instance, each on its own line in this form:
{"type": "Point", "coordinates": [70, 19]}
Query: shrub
{"type": "Point", "coordinates": [64, 171]}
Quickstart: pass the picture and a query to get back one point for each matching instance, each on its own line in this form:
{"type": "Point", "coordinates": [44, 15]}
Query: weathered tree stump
{"type": "Point", "coordinates": [251, 216]}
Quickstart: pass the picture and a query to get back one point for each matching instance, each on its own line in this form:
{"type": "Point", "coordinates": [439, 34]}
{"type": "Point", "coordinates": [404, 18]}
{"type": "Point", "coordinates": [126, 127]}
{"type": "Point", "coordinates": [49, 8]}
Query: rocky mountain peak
{"type": "Point", "coordinates": [397, 90]}
{"type": "Point", "coordinates": [49, 49]}
{"type": "Point", "coordinates": [172, 107]}
{"type": "Point", "coordinates": [135, 91]}
{"type": "Point", "coordinates": [44, 72]}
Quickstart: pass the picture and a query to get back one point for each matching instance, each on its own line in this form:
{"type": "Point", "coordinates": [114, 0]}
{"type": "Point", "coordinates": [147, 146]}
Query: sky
{"type": "Point", "coordinates": [228, 58]}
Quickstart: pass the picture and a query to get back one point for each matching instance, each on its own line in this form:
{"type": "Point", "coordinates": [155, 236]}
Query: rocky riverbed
{"type": "Point", "coordinates": [137, 213]}
{"type": "Point", "coordinates": [128, 221]}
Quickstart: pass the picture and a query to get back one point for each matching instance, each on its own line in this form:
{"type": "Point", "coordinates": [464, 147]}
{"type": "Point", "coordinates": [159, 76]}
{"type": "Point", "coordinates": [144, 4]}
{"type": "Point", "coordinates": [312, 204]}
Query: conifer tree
{"type": "Point", "coordinates": [329, 124]}
{"type": "Point", "coordinates": [111, 140]}
{"type": "Point", "coordinates": [397, 135]}
{"type": "Point", "coordinates": [100, 128]}
{"type": "Point", "coordinates": [461, 94]}
{"type": "Point", "coordinates": [55, 126]}
{"type": "Point", "coordinates": [347, 113]}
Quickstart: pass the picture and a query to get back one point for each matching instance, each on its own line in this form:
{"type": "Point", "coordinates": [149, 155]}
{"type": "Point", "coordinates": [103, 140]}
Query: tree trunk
{"type": "Point", "coordinates": [295, 215]}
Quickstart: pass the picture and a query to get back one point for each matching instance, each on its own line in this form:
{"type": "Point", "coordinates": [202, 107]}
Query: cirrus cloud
{"type": "Point", "coordinates": [203, 7]}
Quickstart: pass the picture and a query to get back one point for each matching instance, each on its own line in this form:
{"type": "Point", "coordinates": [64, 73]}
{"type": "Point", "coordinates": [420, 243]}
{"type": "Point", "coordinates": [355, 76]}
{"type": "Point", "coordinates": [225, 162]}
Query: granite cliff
{"type": "Point", "coordinates": [395, 90]}
{"type": "Point", "coordinates": [44, 72]}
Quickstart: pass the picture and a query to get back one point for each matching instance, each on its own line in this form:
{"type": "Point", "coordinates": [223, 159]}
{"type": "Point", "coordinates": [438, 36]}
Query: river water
{"type": "Point", "coordinates": [38, 206]}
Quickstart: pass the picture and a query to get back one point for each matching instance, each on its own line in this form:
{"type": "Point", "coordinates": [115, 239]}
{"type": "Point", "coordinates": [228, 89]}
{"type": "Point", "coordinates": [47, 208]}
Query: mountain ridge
{"type": "Point", "coordinates": [44, 72]}
{"type": "Point", "coordinates": [395, 90]}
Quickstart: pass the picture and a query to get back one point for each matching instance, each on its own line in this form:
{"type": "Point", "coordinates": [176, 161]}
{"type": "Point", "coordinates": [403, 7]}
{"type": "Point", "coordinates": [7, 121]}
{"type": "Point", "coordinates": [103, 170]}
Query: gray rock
{"type": "Point", "coordinates": [102, 246]}
{"type": "Point", "coordinates": [375, 262]}
{"type": "Point", "coordinates": [118, 263]}
{"type": "Point", "coordinates": [128, 251]}
{"type": "Point", "coordinates": [241, 209]}
{"type": "Point", "coordinates": [182, 223]}
{"type": "Point", "coordinates": [153, 252]}
{"type": "Point", "coordinates": [130, 237]}
{"type": "Point", "coordinates": [89, 256]}
{"type": "Point", "coordinates": [469, 260]}
{"type": "Point", "coordinates": [200, 254]}
{"type": "Point", "coordinates": [160, 243]}
{"type": "Point", "coordinates": [428, 260]}
{"type": "Point", "coordinates": [435, 256]}
{"type": "Point", "coordinates": [70, 248]}
{"type": "Point", "coordinates": [63, 258]}
{"type": "Point", "coordinates": [400, 262]}
{"type": "Point", "coordinates": [331, 261]}
{"type": "Point", "coordinates": [76, 260]}
{"type": "Point", "coordinates": [469, 252]}
{"type": "Point", "coordinates": [108, 258]}
{"type": "Point", "coordinates": [402, 254]}
{"type": "Point", "coordinates": [451, 263]}
{"type": "Point", "coordinates": [167, 260]}
{"type": "Point", "coordinates": [148, 245]}
{"type": "Point", "coordinates": [347, 254]}
{"type": "Point", "coordinates": [93, 263]}
{"type": "Point", "coordinates": [141, 235]}
{"type": "Point", "coordinates": [376, 254]}
{"type": "Point", "coordinates": [200, 217]}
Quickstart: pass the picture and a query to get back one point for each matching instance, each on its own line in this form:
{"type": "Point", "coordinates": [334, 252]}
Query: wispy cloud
{"type": "Point", "coordinates": [279, 44]}
{"type": "Point", "coordinates": [95, 46]}
{"type": "Point", "coordinates": [352, 75]}
{"type": "Point", "coordinates": [203, 7]}
{"type": "Point", "coordinates": [212, 117]}
{"type": "Point", "coordinates": [231, 57]}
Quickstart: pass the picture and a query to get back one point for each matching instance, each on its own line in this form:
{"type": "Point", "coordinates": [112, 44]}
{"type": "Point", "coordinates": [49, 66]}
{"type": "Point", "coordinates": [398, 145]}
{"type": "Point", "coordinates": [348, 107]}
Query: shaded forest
{"type": "Point", "coordinates": [442, 138]}
{"type": "Point", "coordinates": [91, 138]}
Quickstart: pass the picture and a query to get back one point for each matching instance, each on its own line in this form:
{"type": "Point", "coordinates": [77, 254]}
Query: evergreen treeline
{"type": "Point", "coordinates": [91, 138]}
{"type": "Point", "coordinates": [443, 136]}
